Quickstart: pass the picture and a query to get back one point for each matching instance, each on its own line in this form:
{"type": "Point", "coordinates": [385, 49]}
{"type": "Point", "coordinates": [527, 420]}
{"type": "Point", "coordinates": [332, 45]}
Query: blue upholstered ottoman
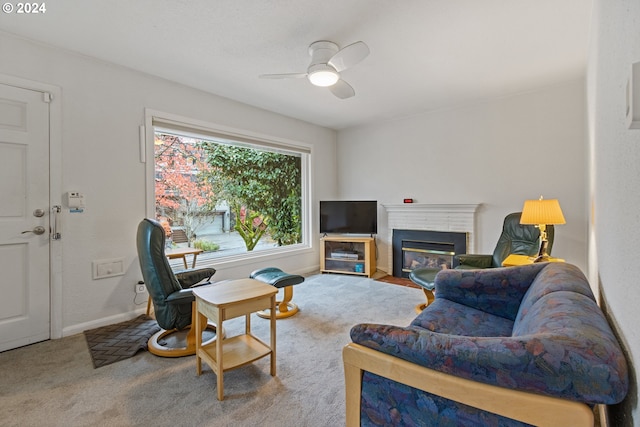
{"type": "Point", "coordinates": [278, 278]}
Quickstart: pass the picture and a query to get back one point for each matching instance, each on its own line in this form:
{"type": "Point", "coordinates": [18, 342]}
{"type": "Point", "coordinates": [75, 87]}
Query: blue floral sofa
{"type": "Point", "coordinates": [510, 346]}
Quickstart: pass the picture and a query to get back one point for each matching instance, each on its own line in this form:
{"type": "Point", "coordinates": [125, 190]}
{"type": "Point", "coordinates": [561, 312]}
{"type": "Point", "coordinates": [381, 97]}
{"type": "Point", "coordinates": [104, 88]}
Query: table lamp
{"type": "Point", "coordinates": [540, 213]}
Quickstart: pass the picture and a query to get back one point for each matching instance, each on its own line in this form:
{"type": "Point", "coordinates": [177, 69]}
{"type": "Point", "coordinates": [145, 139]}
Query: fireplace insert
{"type": "Point", "coordinates": [425, 248]}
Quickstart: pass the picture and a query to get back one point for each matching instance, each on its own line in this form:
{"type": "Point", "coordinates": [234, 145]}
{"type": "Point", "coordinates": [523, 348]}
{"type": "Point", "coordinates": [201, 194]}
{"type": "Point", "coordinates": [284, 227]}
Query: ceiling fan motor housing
{"type": "Point", "coordinates": [319, 72]}
{"type": "Point", "coordinates": [322, 51]}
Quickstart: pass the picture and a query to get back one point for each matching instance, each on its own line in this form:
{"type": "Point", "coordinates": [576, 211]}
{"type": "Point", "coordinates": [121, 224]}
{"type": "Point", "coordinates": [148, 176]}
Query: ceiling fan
{"type": "Point", "coordinates": [327, 61]}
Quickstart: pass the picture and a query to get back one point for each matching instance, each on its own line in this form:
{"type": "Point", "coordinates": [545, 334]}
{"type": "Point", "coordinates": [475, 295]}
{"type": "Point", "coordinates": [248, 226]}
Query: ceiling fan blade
{"type": "Point", "coordinates": [342, 90]}
{"type": "Point", "coordinates": [349, 56]}
{"type": "Point", "coordinates": [283, 76]}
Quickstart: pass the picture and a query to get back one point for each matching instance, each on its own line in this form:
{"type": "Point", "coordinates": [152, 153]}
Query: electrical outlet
{"type": "Point", "coordinates": [140, 288]}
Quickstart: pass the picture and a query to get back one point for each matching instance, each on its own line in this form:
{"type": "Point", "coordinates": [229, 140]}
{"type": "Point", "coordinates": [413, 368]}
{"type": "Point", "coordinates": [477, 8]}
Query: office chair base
{"type": "Point", "coordinates": [283, 309]}
{"type": "Point", "coordinates": [281, 280]}
{"type": "Point", "coordinates": [163, 344]}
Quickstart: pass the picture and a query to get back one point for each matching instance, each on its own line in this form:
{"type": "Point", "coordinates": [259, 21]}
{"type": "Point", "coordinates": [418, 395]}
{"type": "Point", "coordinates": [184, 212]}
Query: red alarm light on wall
{"type": "Point", "coordinates": [408, 200]}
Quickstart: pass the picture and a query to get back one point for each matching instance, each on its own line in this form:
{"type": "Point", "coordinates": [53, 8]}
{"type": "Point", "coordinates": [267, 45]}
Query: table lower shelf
{"type": "Point", "coordinates": [344, 271]}
{"type": "Point", "coordinates": [236, 351]}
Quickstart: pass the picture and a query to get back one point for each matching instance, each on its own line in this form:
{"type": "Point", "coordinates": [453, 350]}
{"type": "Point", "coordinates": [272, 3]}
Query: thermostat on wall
{"type": "Point", "coordinates": [75, 201]}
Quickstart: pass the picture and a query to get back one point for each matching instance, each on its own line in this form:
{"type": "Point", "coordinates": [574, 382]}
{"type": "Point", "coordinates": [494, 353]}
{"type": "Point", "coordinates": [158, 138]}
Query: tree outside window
{"type": "Point", "coordinates": [181, 196]}
{"type": "Point", "coordinates": [262, 188]}
{"type": "Point", "coordinates": [259, 191]}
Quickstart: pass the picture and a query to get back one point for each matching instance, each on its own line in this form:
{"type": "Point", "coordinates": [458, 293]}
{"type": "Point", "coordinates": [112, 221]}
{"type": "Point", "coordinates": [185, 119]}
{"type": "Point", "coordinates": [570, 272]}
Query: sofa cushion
{"type": "Point", "coordinates": [569, 330]}
{"type": "Point", "coordinates": [554, 277]}
{"type": "Point", "coordinates": [448, 317]}
{"type": "Point", "coordinates": [497, 291]}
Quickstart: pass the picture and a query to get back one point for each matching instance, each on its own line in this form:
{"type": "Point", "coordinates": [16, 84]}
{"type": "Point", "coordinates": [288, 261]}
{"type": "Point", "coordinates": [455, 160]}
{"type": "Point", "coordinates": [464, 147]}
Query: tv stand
{"type": "Point", "coordinates": [348, 255]}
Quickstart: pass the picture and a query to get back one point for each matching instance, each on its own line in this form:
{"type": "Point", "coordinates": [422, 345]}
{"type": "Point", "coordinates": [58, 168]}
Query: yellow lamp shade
{"type": "Point", "coordinates": [542, 211]}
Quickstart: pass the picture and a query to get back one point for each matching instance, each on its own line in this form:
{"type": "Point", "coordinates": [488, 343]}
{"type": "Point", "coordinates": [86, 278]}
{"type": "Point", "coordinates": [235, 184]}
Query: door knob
{"type": "Point", "coordinates": [36, 230]}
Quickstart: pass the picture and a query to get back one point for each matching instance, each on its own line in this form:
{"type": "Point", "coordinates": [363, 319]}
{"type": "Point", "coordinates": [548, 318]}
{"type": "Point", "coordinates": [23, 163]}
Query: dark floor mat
{"type": "Point", "coordinates": [120, 341]}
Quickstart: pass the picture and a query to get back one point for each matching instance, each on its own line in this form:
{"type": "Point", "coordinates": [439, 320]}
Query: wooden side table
{"type": "Point", "coordinates": [224, 301]}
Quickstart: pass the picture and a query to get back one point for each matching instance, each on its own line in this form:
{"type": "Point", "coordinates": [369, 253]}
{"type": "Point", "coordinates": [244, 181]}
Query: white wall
{"type": "Point", "coordinates": [497, 153]}
{"type": "Point", "coordinates": [102, 107]}
{"type": "Point", "coordinates": [615, 45]}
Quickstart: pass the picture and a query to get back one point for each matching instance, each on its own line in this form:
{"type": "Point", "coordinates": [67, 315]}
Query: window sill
{"type": "Point", "coordinates": [232, 261]}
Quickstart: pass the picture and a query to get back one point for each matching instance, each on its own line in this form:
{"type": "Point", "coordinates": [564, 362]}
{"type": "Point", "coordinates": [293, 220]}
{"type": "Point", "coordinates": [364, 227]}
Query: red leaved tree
{"type": "Point", "coordinates": [181, 195]}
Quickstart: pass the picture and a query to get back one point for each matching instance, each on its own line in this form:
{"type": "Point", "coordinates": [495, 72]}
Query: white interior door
{"type": "Point", "coordinates": [24, 217]}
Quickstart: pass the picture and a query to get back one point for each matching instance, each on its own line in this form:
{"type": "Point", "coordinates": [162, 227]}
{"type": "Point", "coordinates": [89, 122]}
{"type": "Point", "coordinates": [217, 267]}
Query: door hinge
{"type": "Point", "coordinates": [46, 97]}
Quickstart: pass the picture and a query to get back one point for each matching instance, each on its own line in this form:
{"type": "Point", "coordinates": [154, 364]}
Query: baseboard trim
{"type": "Point", "coordinates": [81, 327]}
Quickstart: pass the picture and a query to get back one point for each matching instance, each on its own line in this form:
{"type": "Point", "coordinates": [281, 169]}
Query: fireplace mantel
{"type": "Point", "coordinates": [432, 208]}
{"type": "Point", "coordinates": [435, 217]}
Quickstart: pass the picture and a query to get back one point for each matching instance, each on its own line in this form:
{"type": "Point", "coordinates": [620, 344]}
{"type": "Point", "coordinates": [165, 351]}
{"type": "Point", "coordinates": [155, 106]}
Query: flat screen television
{"type": "Point", "coordinates": [349, 216]}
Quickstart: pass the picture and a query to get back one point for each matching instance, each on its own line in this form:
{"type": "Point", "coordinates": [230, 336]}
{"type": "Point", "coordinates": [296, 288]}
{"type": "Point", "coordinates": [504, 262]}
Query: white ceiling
{"type": "Point", "coordinates": [425, 54]}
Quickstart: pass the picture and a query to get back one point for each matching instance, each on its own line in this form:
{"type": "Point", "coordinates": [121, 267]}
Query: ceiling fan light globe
{"type": "Point", "coordinates": [323, 75]}
{"type": "Point", "coordinates": [323, 78]}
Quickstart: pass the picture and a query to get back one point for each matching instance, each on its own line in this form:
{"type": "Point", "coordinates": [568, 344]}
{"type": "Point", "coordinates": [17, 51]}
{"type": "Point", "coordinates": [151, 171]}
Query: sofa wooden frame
{"type": "Point", "coordinates": [532, 408]}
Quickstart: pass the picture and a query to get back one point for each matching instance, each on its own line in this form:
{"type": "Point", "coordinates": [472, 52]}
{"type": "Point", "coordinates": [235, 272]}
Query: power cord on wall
{"type": "Point", "coordinates": [135, 300]}
{"type": "Point", "coordinates": [137, 293]}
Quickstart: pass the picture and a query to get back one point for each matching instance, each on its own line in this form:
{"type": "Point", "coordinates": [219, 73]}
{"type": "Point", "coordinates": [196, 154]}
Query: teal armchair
{"type": "Point", "coordinates": [515, 239]}
{"type": "Point", "coordinates": [171, 293]}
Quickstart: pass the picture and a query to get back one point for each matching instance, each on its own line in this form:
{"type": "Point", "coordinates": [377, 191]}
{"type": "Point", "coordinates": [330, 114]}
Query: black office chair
{"type": "Point", "coordinates": [173, 301]}
{"type": "Point", "coordinates": [515, 238]}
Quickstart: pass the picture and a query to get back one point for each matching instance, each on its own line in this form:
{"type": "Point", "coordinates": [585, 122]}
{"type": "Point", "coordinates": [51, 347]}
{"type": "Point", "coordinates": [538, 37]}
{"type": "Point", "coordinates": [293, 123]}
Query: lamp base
{"type": "Point", "coordinates": [543, 256]}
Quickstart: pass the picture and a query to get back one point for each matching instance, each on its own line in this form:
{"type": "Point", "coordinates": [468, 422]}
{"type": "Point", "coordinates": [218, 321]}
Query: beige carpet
{"type": "Point", "coordinates": [54, 383]}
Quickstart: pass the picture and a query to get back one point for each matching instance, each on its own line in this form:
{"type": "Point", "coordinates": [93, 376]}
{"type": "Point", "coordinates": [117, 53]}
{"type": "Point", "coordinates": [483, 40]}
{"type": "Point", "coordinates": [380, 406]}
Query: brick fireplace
{"type": "Point", "coordinates": [458, 221]}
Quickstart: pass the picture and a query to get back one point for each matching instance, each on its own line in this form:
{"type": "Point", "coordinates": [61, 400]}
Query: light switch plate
{"type": "Point", "coordinates": [103, 268]}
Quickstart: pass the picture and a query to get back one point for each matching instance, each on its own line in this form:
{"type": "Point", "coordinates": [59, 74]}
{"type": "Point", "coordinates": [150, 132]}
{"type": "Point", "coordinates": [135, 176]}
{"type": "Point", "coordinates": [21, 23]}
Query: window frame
{"type": "Point", "coordinates": [163, 120]}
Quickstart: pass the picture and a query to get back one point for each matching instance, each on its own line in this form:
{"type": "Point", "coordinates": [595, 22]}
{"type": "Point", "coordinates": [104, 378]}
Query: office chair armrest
{"type": "Point", "coordinates": [183, 296]}
{"type": "Point", "coordinates": [188, 278]}
{"type": "Point", "coordinates": [474, 260]}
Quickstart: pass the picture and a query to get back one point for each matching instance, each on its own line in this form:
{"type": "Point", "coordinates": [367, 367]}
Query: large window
{"type": "Point", "coordinates": [229, 194]}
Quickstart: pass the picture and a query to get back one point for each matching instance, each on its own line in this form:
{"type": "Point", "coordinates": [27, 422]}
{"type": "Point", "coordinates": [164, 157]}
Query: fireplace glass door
{"type": "Point", "coordinates": [413, 258]}
{"type": "Point", "coordinates": [426, 249]}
